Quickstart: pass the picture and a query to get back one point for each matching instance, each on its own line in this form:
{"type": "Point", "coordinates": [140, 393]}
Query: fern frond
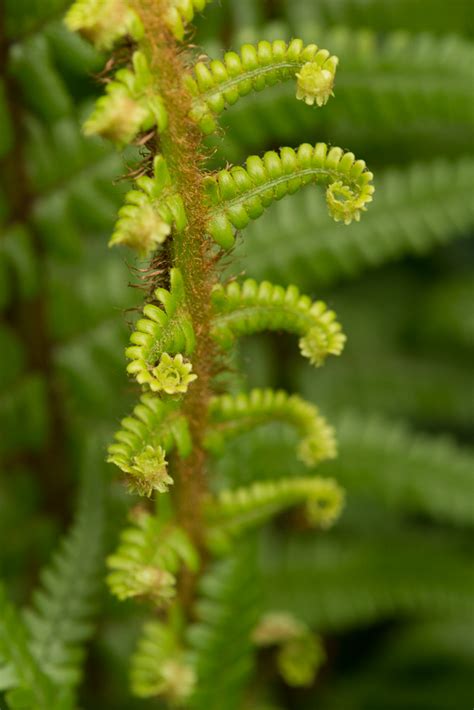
{"type": "Point", "coordinates": [222, 83]}
{"type": "Point", "coordinates": [232, 512]}
{"type": "Point", "coordinates": [403, 14]}
{"type": "Point", "coordinates": [148, 558]}
{"type": "Point", "coordinates": [238, 195]}
{"type": "Point", "coordinates": [416, 209]}
{"type": "Point", "coordinates": [161, 667]}
{"type": "Point", "coordinates": [231, 415]}
{"type": "Point", "coordinates": [412, 89]}
{"type": "Point", "coordinates": [146, 219]}
{"type": "Point", "coordinates": [354, 576]}
{"type": "Point", "coordinates": [130, 105]}
{"type": "Point", "coordinates": [155, 428]}
{"type": "Point", "coordinates": [59, 620]}
{"type": "Point", "coordinates": [377, 458]}
{"type": "Point", "coordinates": [300, 653]}
{"type": "Point", "coordinates": [180, 13]}
{"type": "Point", "coordinates": [20, 673]}
{"type": "Point", "coordinates": [104, 22]}
{"type": "Point", "coordinates": [227, 611]}
{"type": "Point", "coordinates": [162, 330]}
{"type": "Point", "coordinates": [252, 307]}
{"type": "Point", "coordinates": [405, 470]}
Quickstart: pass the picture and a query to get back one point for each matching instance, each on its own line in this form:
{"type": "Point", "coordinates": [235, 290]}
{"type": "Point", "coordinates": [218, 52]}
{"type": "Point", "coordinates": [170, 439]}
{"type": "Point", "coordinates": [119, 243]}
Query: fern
{"type": "Point", "coordinates": [242, 194]}
{"type": "Point", "coordinates": [234, 511]}
{"type": "Point", "coordinates": [161, 666]}
{"type": "Point", "coordinates": [397, 15]}
{"type": "Point", "coordinates": [414, 468]}
{"type": "Point", "coordinates": [145, 438]}
{"type": "Point", "coordinates": [378, 458]}
{"type": "Point", "coordinates": [149, 555]}
{"type": "Point", "coordinates": [251, 307]}
{"type": "Point", "coordinates": [412, 89]}
{"type": "Point", "coordinates": [254, 68]}
{"type": "Point", "coordinates": [18, 666]}
{"type": "Point", "coordinates": [415, 211]}
{"type": "Point", "coordinates": [351, 578]}
{"type": "Point", "coordinates": [59, 620]}
{"type": "Point", "coordinates": [227, 611]}
{"type": "Point", "coordinates": [231, 415]}
{"type": "Point", "coordinates": [169, 330]}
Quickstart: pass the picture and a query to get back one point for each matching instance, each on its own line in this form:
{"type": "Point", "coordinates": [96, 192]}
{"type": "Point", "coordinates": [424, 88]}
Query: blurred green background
{"type": "Point", "coordinates": [390, 588]}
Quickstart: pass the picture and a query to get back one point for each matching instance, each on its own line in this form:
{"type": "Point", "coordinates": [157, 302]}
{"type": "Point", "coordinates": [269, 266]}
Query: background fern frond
{"type": "Point", "coordinates": [352, 576]}
{"type": "Point", "coordinates": [59, 621]}
{"type": "Point", "coordinates": [20, 673]}
{"type": "Point", "coordinates": [227, 611]}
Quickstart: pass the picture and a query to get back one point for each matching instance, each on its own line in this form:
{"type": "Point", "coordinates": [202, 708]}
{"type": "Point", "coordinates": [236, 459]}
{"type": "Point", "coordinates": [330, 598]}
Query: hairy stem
{"type": "Point", "coordinates": [181, 147]}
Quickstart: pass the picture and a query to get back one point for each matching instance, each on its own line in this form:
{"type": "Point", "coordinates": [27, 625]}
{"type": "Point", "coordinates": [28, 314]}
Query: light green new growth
{"type": "Point", "coordinates": [150, 213]}
{"type": "Point", "coordinates": [180, 217]}
{"type": "Point", "coordinates": [220, 83]}
{"type": "Point", "coordinates": [129, 105]}
{"type": "Point", "coordinates": [300, 652]}
{"type": "Point", "coordinates": [239, 195]}
{"type": "Point", "coordinates": [232, 512]}
{"type": "Point", "coordinates": [147, 560]}
{"type": "Point", "coordinates": [231, 415]}
{"type": "Point", "coordinates": [253, 307]}
{"type": "Point", "coordinates": [103, 22]}
{"type": "Point", "coordinates": [161, 666]}
{"type": "Point", "coordinates": [162, 330]}
{"type": "Point", "coordinates": [180, 13]}
{"type": "Point", "coordinates": [154, 429]}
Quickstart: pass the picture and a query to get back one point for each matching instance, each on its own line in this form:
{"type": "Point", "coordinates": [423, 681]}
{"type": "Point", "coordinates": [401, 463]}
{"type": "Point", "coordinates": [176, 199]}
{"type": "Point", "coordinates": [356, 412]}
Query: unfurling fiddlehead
{"type": "Point", "coordinates": [178, 214]}
{"type": "Point", "coordinates": [222, 83]}
{"type": "Point", "coordinates": [253, 307]}
{"type": "Point", "coordinates": [300, 652]}
{"type": "Point", "coordinates": [230, 416]}
{"type": "Point", "coordinates": [140, 447]}
{"type": "Point", "coordinates": [232, 512]}
{"type": "Point", "coordinates": [239, 194]}
{"type": "Point", "coordinates": [148, 558]}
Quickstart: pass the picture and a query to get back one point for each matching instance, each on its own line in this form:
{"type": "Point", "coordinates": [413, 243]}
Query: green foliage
{"type": "Point", "coordinates": [399, 553]}
{"type": "Point", "coordinates": [149, 555]}
{"type": "Point", "coordinates": [160, 666]}
{"type": "Point", "coordinates": [161, 330]}
{"type": "Point", "coordinates": [377, 458]}
{"type": "Point", "coordinates": [19, 671]}
{"type": "Point", "coordinates": [241, 194]}
{"type": "Point", "coordinates": [252, 307]}
{"type": "Point", "coordinates": [408, 90]}
{"type": "Point", "coordinates": [232, 512]}
{"type": "Point", "coordinates": [227, 611]}
{"type": "Point", "coordinates": [59, 621]}
{"type": "Point", "coordinates": [140, 446]}
{"type": "Point", "coordinates": [41, 654]}
{"type": "Point", "coordinates": [415, 211]}
{"type": "Point", "coordinates": [386, 16]}
{"type": "Point", "coordinates": [230, 416]}
{"type": "Point", "coordinates": [223, 83]}
{"type": "Point", "coordinates": [347, 580]}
